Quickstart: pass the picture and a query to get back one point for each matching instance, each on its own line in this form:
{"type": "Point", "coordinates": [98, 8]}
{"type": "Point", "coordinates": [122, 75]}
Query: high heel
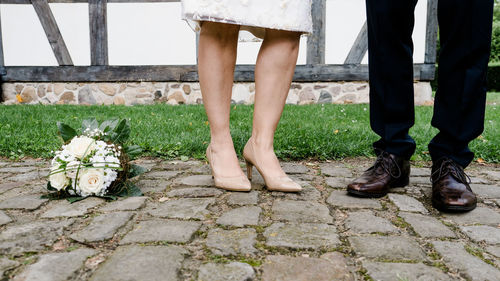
{"type": "Point", "coordinates": [249, 169]}
{"type": "Point", "coordinates": [281, 183]}
{"type": "Point", "coordinates": [236, 183]}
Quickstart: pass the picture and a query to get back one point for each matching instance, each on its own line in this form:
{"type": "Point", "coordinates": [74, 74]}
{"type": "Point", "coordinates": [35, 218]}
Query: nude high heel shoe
{"type": "Point", "coordinates": [283, 183]}
{"type": "Point", "coordinates": [236, 183]}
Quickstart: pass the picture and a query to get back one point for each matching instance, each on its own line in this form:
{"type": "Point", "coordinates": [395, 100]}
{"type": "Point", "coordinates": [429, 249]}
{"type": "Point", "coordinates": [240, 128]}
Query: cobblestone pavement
{"type": "Point", "coordinates": [185, 229]}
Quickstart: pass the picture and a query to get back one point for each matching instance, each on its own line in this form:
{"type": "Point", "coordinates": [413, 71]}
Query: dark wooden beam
{"type": "Point", "coordinates": [54, 36]}
{"type": "Point", "coordinates": [316, 41]}
{"type": "Point", "coordinates": [2, 63]}
{"type": "Point", "coordinates": [188, 73]}
{"type": "Point", "coordinates": [98, 32]}
{"type": "Point", "coordinates": [431, 32]}
{"type": "Point", "coordinates": [359, 48]}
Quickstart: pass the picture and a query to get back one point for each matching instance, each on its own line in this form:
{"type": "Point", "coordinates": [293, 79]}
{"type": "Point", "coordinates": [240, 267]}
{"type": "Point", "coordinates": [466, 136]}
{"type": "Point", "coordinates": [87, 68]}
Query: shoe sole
{"type": "Point", "coordinates": [357, 193]}
{"type": "Point", "coordinates": [452, 209]}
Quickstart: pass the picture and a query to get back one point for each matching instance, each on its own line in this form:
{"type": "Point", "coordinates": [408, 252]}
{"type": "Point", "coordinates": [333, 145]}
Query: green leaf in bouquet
{"type": "Point", "coordinates": [130, 190]}
{"type": "Point", "coordinates": [109, 197]}
{"type": "Point", "coordinates": [132, 151]}
{"type": "Point", "coordinates": [65, 131]}
{"type": "Point", "coordinates": [90, 124]}
{"type": "Point", "coordinates": [121, 132]}
{"type": "Point", "coordinates": [108, 125]}
{"type": "Point", "coordinates": [50, 188]}
{"type": "Point", "coordinates": [74, 199]}
{"type": "Point", "coordinates": [136, 170]}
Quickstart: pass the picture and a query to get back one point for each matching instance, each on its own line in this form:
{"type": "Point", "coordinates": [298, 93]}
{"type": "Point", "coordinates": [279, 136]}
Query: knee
{"type": "Point", "coordinates": [287, 40]}
{"type": "Point", "coordinates": [222, 32]}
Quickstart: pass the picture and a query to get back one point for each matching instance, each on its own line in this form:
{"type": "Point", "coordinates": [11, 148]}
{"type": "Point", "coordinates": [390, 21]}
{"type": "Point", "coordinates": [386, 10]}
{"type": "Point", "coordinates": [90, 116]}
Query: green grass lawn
{"type": "Point", "coordinates": [314, 131]}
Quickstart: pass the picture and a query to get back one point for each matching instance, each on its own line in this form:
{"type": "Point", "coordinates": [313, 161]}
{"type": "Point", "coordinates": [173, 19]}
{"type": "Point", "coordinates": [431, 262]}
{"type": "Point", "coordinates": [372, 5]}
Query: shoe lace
{"type": "Point", "coordinates": [387, 164]}
{"type": "Point", "coordinates": [449, 167]}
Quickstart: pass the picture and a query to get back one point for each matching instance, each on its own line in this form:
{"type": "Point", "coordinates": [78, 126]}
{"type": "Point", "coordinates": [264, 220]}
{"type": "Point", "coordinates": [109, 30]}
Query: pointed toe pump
{"type": "Point", "coordinates": [276, 183]}
{"type": "Point", "coordinates": [231, 183]}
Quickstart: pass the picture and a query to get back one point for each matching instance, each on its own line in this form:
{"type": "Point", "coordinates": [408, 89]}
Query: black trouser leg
{"type": "Point", "coordinates": [390, 49]}
{"type": "Point", "coordinates": [465, 35]}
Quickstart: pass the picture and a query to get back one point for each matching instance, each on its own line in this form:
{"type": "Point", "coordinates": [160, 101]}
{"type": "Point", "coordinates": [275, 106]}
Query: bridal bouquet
{"type": "Point", "coordinates": [94, 162]}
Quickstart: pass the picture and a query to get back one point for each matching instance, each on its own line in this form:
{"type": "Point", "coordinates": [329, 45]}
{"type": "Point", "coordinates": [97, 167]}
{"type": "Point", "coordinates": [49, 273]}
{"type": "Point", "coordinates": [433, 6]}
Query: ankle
{"type": "Point", "coordinates": [262, 144]}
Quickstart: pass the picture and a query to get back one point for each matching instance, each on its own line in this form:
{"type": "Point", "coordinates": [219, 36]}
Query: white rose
{"type": "Point", "coordinates": [91, 181]}
{"type": "Point", "coordinates": [57, 178]}
{"type": "Point", "coordinates": [81, 146]}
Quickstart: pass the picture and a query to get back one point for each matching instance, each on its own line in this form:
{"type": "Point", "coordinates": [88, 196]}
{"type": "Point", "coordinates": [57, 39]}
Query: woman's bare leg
{"type": "Point", "coordinates": [216, 62]}
{"type": "Point", "coordinates": [273, 75]}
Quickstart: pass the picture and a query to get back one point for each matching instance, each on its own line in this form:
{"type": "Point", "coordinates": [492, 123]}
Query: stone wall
{"type": "Point", "coordinates": [186, 93]}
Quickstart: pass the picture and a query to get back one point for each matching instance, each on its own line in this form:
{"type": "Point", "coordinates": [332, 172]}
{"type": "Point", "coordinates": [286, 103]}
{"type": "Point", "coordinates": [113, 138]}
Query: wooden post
{"type": "Point", "coordinates": [431, 32]}
{"type": "Point", "coordinates": [98, 32]}
{"type": "Point", "coordinates": [49, 24]}
{"type": "Point", "coordinates": [360, 47]}
{"type": "Point", "coordinates": [316, 42]}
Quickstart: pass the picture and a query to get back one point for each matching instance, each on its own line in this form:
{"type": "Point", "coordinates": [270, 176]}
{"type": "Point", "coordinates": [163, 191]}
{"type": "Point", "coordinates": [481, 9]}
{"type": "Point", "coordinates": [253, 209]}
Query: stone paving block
{"type": "Point", "coordinates": [147, 185]}
{"type": "Point", "coordinates": [494, 250]}
{"type": "Point", "coordinates": [387, 248]}
{"type": "Point", "coordinates": [162, 231]}
{"type": "Point", "coordinates": [487, 191]}
{"type": "Point", "coordinates": [25, 202]}
{"type": "Point", "coordinates": [4, 219]}
{"type": "Point", "coordinates": [6, 186]}
{"type": "Point", "coordinates": [420, 181]}
{"type": "Point", "coordinates": [184, 208]}
{"type": "Point", "coordinates": [243, 198]}
{"type": "Point", "coordinates": [308, 193]}
{"type": "Point", "coordinates": [427, 226]}
{"type": "Point", "coordinates": [455, 256]}
{"type": "Point", "coordinates": [343, 200]}
{"type": "Point", "coordinates": [337, 182]}
{"type": "Point", "coordinates": [478, 180]}
{"type": "Point", "coordinates": [127, 204]}
{"type": "Point", "coordinates": [197, 180]}
{"type": "Point", "coordinates": [494, 175]}
{"type": "Point", "coordinates": [301, 236]}
{"type": "Point", "coordinates": [55, 266]}
{"type": "Point", "coordinates": [6, 264]}
{"type": "Point", "coordinates": [481, 215]}
{"type": "Point", "coordinates": [66, 209]}
{"type": "Point", "coordinates": [232, 242]}
{"type": "Point", "coordinates": [300, 211]}
{"type": "Point", "coordinates": [29, 176]}
{"type": "Point", "coordinates": [280, 268]}
{"type": "Point", "coordinates": [407, 204]}
{"type": "Point", "coordinates": [17, 170]}
{"type": "Point", "coordinates": [32, 236]}
{"type": "Point", "coordinates": [240, 217]}
{"type": "Point", "coordinates": [332, 170]}
{"type": "Point", "coordinates": [145, 263]}
{"type": "Point", "coordinates": [479, 233]}
{"type": "Point", "coordinates": [102, 227]}
{"type": "Point", "coordinates": [161, 174]}
{"type": "Point", "coordinates": [386, 271]}
{"type": "Point", "coordinates": [294, 168]}
{"type": "Point", "coordinates": [233, 271]}
{"type": "Point", "coordinates": [420, 172]}
{"type": "Point", "coordinates": [194, 192]}
{"type": "Point", "coordinates": [367, 222]}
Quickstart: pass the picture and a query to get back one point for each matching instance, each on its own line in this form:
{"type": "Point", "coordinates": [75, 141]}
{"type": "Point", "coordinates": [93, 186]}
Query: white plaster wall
{"type": "Point", "coordinates": [148, 34]}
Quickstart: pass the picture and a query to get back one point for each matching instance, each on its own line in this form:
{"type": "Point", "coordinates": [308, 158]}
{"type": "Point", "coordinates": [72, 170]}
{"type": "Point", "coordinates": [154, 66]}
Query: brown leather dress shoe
{"type": "Point", "coordinates": [450, 187]}
{"type": "Point", "coordinates": [388, 171]}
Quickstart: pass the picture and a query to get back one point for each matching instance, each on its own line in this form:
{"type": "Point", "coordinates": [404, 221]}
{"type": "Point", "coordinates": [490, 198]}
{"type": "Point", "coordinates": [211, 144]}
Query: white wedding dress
{"type": "Point", "coordinates": [253, 15]}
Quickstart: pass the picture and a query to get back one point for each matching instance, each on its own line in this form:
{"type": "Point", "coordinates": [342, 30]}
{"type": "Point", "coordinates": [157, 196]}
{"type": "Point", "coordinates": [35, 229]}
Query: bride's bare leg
{"type": "Point", "coordinates": [216, 61]}
{"type": "Point", "coordinates": [273, 75]}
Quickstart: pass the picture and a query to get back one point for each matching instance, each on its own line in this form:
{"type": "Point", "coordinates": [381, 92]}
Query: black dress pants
{"type": "Point", "coordinates": [465, 37]}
